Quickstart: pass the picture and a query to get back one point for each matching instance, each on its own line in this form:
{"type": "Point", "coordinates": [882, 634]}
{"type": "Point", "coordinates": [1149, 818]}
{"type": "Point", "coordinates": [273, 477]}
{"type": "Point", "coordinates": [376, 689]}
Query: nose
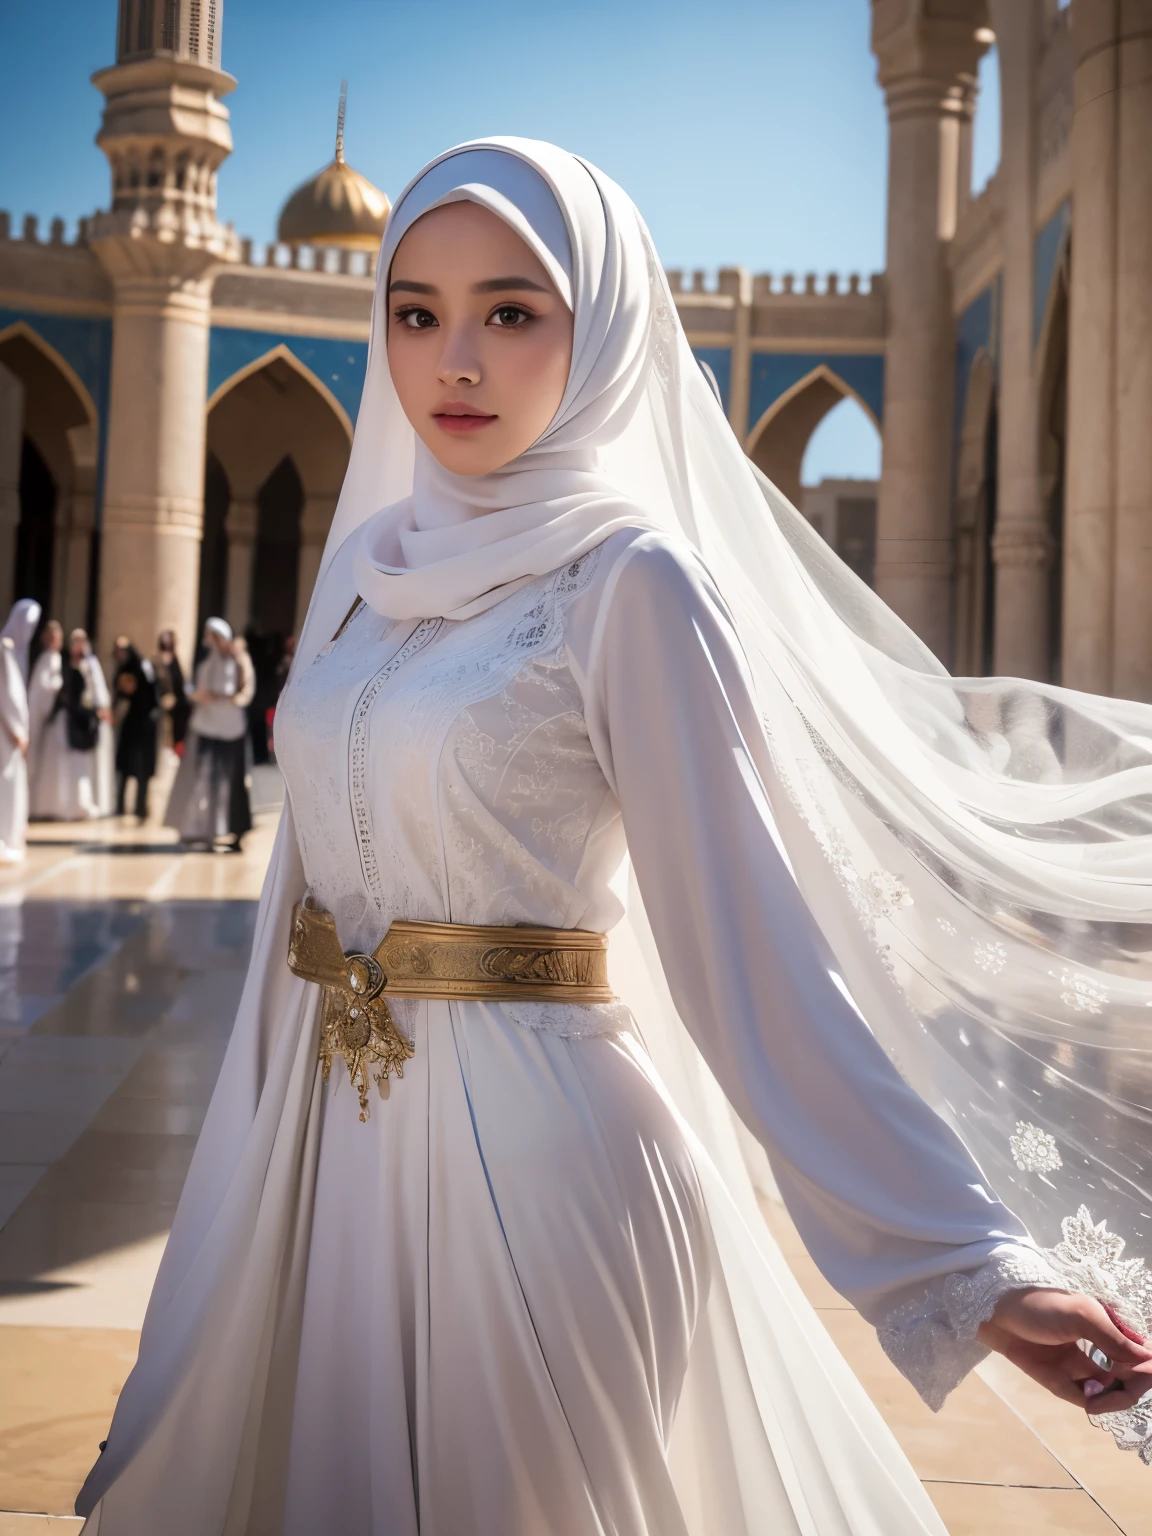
{"type": "Point", "coordinates": [459, 364]}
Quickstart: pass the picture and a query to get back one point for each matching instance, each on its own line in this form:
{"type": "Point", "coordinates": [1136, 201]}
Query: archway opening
{"type": "Point", "coordinates": [283, 447]}
{"type": "Point", "coordinates": [48, 553]}
{"type": "Point", "coordinates": [279, 506]}
{"type": "Point", "coordinates": [1053, 433]}
{"type": "Point", "coordinates": [821, 447]}
{"type": "Point", "coordinates": [36, 529]}
{"type": "Point", "coordinates": [213, 542]}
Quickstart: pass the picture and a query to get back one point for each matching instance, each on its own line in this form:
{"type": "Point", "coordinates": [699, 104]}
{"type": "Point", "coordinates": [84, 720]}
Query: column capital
{"type": "Point", "coordinates": [927, 54]}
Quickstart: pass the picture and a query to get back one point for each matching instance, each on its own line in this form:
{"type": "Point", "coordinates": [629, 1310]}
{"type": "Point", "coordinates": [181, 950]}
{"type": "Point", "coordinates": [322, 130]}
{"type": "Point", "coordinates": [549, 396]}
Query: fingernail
{"type": "Point", "coordinates": [1099, 1358]}
{"type": "Point", "coordinates": [1093, 1388]}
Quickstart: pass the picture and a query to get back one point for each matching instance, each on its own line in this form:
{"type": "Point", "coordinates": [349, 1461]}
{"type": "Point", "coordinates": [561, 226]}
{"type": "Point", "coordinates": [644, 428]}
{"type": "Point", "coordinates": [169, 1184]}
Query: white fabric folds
{"type": "Point", "coordinates": [847, 861]}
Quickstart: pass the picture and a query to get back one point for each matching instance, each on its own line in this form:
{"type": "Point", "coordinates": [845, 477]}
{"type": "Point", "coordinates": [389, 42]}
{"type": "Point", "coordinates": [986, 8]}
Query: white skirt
{"type": "Point", "coordinates": [506, 1268]}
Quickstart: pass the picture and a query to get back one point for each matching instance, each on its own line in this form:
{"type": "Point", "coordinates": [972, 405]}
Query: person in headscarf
{"type": "Point", "coordinates": [75, 759]}
{"type": "Point", "coordinates": [464, 1249]}
{"type": "Point", "coordinates": [43, 688]}
{"type": "Point", "coordinates": [15, 639]}
{"type": "Point", "coordinates": [134, 686]}
{"type": "Point", "coordinates": [20, 628]}
{"type": "Point", "coordinates": [173, 697]}
{"type": "Point", "coordinates": [209, 804]}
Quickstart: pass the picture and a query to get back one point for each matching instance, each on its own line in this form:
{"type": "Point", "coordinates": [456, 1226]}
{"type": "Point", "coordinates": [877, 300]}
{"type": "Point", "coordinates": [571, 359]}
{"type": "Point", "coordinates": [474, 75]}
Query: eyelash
{"type": "Point", "coordinates": [407, 311]}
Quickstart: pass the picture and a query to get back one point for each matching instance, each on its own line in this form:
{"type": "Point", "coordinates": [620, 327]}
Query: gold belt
{"type": "Point", "coordinates": [432, 960]}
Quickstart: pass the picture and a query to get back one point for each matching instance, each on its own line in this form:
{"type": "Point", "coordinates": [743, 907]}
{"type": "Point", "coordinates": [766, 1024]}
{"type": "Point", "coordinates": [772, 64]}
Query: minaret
{"type": "Point", "coordinates": [165, 133]}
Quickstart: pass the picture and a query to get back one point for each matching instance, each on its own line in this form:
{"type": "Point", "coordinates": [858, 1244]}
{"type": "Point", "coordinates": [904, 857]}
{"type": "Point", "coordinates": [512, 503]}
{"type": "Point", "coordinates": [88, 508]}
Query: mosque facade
{"type": "Point", "coordinates": [177, 402]}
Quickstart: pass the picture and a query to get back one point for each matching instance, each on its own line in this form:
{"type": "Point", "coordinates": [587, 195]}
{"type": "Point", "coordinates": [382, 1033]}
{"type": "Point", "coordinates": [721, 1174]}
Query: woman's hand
{"type": "Point", "coordinates": [1039, 1331]}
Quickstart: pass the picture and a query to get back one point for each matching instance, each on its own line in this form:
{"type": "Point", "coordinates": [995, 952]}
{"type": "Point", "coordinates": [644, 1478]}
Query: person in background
{"type": "Point", "coordinates": [75, 765]}
{"type": "Point", "coordinates": [173, 696]}
{"type": "Point", "coordinates": [14, 728]}
{"type": "Point", "coordinates": [134, 687]}
{"type": "Point", "coordinates": [209, 803]}
{"type": "Point", "coordinates": [43, 687]}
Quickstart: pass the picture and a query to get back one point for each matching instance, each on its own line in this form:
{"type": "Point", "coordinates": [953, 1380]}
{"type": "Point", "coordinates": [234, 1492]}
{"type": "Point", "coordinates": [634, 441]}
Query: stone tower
{"type": "Point", "coordinates": [165, 133]}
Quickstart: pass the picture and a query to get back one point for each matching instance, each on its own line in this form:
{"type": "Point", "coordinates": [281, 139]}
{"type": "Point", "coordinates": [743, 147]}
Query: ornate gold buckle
{"type": "Point", "coordinates": [357, 1024]}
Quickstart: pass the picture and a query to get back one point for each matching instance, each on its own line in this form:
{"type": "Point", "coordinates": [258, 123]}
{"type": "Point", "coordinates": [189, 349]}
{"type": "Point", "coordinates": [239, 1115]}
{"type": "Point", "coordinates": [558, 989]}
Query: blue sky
{"type": "Point", "coordinates": [749, 132]}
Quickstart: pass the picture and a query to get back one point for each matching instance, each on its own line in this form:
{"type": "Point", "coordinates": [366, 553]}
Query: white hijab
{"type": "Point", "coordinates": [978, 852]}
{"type": "Point", "coordinates": [460, 543]}
{"type": "Point", "coordinates": [19, 627]}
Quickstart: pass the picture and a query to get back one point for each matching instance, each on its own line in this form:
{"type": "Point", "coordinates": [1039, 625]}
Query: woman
{"type": "Point", "coordinates": [43, 688]}
{"type": "Point", "coordinates": [15, 639]}
{"type": "Point", "coordinates": [173, 698]}
{"type": "Point", "coordinates": [135, 687]}
{"type": "Point", "coordinates": [75, 757]}
{"type": "Point", "coordinates": [209, 801]}
{"type": "Point", "coordinates": [510, 1276]}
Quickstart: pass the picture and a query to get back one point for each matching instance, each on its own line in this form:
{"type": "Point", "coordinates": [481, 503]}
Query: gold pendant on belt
{"type": "Point", "coordinates": [357, 1024]}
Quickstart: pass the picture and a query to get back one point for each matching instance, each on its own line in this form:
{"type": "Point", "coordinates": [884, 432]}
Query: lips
{"type": "Point", "coordinates": [462, 418]}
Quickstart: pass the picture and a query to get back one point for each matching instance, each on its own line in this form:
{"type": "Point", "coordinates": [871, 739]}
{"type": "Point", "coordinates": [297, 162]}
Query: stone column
{"type": "Point", "coordinates": [240, 527]}
{"type": "Point", "coordinates": [1090, 471]}
{"type": "Point", "coordinates": [315, 521]}
{"type": "Point", "coordinates": [927, 66]}
{"type": "Point", "coordinates": [1021, 540]}
{"type": "Point", "coordinates": [738, 282]}
{"type": "Point", "coordinates": [1132, 658]}
{"type": "Point", "coordinates": [165, 133]}
{"type": "Point", "coordinates": [154, 480]}
{"type": "Point", "coordinates": [11, 445]}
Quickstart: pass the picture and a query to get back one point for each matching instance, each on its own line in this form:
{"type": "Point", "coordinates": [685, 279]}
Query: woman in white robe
{"type": "Point", "coordinates": [15, 639]}
{"type": "Point", "coordinates": [531, 1291]}
{"type": "Point", "coordinates": [71, 782]}
{"type": "Point", "coordinates": [209, 803]}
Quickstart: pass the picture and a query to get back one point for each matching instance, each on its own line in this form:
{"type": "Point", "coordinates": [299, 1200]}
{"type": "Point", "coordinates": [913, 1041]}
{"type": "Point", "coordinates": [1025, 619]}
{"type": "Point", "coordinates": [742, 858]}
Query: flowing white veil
{"type": "Point", "coordinates": [978, 851]}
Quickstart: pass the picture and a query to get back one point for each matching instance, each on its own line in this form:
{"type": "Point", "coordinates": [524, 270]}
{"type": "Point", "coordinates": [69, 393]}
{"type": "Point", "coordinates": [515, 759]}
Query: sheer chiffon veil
{"type": "Point", "coordinates": [978, 851]}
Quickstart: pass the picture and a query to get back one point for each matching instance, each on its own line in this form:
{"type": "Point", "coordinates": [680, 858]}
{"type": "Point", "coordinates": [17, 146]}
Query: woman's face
{"type": "Point", "coordinates": [479, 340]}
{"type": "Point", "coordinates": [53, 638]}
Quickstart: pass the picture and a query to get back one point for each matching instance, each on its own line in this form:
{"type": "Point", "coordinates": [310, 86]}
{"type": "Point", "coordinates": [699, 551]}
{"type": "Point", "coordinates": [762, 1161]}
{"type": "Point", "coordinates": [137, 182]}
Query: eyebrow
{"type": "Point", "coordinates": [490, 285]}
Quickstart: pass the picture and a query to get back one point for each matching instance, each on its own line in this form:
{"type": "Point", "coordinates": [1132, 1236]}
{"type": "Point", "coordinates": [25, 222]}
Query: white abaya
{"type": "Point", "coordinates": [533, 1293]}
{"type": "Point", "coordinates": [68, 785]}
{"type": "Point", "coordinates": [13, 764]}
{"type": "Point", "coordinates": [521, 1299]}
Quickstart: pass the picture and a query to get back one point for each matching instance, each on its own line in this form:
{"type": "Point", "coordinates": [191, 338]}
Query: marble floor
{"type": "Point", "coordinates": [121, 962]}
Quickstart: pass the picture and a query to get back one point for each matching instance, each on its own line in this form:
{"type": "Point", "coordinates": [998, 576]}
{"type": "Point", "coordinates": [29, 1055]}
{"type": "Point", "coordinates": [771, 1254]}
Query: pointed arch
{"type": "Point", "coordinates": [283, 354]}
{"type": "Point", "coordinates": [28, 333]}
{"type": "Point", "coordinates": [776, 444]}
{"type": "Point", "coordinates": [48, 552]}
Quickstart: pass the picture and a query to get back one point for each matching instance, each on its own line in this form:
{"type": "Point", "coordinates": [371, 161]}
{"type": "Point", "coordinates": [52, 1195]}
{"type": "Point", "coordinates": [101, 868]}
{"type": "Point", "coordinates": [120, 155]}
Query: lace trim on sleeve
{"type": "Point", "coordinates": [932, 1341]}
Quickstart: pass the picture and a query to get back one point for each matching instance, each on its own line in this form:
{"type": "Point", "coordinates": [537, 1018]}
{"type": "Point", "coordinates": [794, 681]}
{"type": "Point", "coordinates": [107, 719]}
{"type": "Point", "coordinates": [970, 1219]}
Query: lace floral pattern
{"type": "Point", "coordinates": [932, 1341]}
{"type": "Point", "coordinates": [497, 832]}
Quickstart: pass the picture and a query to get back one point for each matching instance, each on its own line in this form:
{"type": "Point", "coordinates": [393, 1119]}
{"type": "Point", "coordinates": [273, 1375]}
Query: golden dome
{"type": "Point", "coordinates": [337, 207]}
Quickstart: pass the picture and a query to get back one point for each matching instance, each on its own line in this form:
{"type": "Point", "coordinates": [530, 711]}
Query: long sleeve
{"type": "Point", "coordinates": [886, 1197]}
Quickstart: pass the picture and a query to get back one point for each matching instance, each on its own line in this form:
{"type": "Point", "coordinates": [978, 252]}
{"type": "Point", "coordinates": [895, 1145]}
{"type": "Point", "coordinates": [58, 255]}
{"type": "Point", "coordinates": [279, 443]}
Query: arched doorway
{"type": "Point", "coordinates": [976, 522]}
{"type": "Point", "coordinates": [47, 532]}
{"type": "Point", "coordinates": [281, 440]}
{"type": "Point", "coordinates": [778, 441]}
{"type": "Point", "coordinates": [842, 506]}
{"type": "Point", "coordinates": [1053, 413]}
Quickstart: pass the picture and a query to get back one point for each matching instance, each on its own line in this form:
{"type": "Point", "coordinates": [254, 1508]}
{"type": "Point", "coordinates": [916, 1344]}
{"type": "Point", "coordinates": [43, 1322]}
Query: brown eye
{"type": "Point", "coordinates": [510, 316]}
{"type": "Point", "coordinates": [416, 319]}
